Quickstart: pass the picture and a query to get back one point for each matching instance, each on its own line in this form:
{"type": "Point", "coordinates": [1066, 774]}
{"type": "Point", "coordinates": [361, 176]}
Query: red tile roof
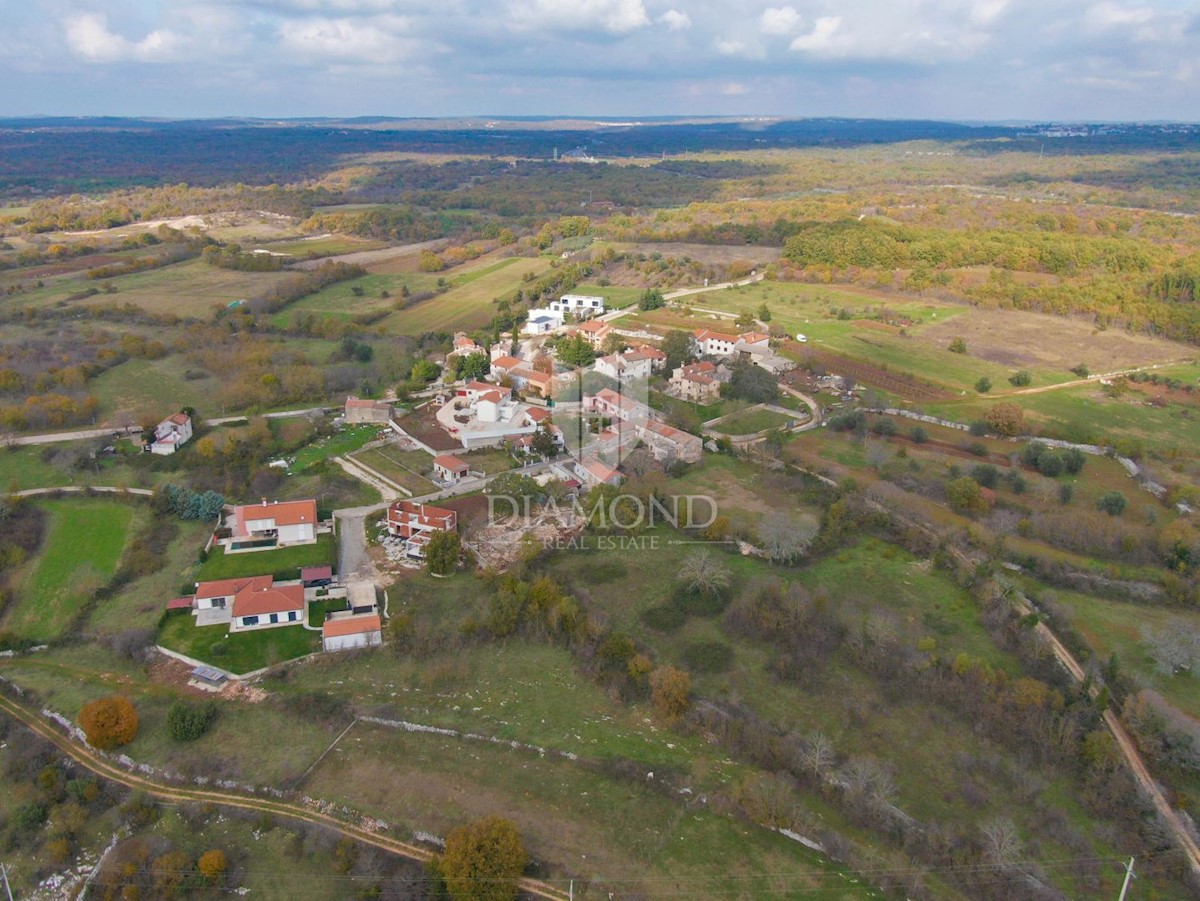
{"type": "Point", "coordinates": [506, 363]}
{"type": "Point", "coordinates": [264, 601]}
{"type": "Point", "coordinates": [285, 513]}
{"type": "Point", "coordinates": [351, 625]}
{"type": "Point", "coordinates": [223, 588]}
{"type": "Point", "coordinates": [312, 573]}
{"type": "Point", "coordinates": [537, 414]}
{"type": "Point", "coordinates": [179, 418]}
{"type": "Point", "coordinates": [451, 462]}
{"type": "Point", "coordinates": [593, 325]}
{"type": "Point", "coordinates": [181, 604]}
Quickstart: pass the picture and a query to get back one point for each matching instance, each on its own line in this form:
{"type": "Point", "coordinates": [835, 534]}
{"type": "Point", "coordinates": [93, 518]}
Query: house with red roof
{"type": "Point", "coordinates": [251, 602]}
{"type": "Point", "coordinates": [415, 524]}
{"type": "Point", "coordinates": [449, 468]}
{"type": "Point", "coordinates": [699, 383]}
{"type": "Point", "coordinates": [359, 411]}
{"type": "Point", "coordinates": [707, 343]}
{"type": "Point", "coordinates": [348, 632]}
{"type": "Point", "coordinates": [171, 433]}
{"type": "Point", "coordinates": [594, 330]}
{"type": "Point", "coordinates": [266, 525]}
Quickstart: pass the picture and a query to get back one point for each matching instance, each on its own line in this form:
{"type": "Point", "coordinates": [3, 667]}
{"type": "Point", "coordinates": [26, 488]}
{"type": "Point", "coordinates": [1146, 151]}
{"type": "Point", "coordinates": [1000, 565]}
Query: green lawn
{"type": "Point", "coordinates": [283, 563]}
{"type": "Point", "coordinates": [340, 301]}
{"type": "Point", "coordinates": [346, 440]}
{"type": "Point", "coordinates": [318, 609]}
{"type": "Point", "coordinates": [751, 421]}
{"type": "Point", "coordinates": [239, 652]}
{"type": "Point", "coordinates": [138, 385]}
{"type": "Point", "coordinates": [83, 545]}
{"type": "Point", "coordinates": [407, 468]}
{"type": "Point", "coordinates": [616, 297]}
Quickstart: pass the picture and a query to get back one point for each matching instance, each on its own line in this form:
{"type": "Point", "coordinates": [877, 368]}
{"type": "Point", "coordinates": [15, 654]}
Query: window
{"type": "Point", "coordinates": [249, 620]}
{"type": "Point", "coordinates": [219, 603]}
{"type": "Point", "coordinates": [293, 616]}
{"type": "Point", "coordinates": [274, 618]}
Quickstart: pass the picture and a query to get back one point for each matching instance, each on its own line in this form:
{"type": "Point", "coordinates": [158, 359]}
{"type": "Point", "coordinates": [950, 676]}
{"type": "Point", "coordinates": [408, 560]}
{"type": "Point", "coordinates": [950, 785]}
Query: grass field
{"type": "Point", "coordinates": [83, 545]}
{"type": "Point", "coordinates": [30, 466]}
{"type": "Point", "coordinates": [616, 297]}
{"type": "Point", "coordinates": [283, 562]}
{"type": "Point", "coordinates": [750, 421]}
{"type": "Point", "coordinates": [468, 303]}
{"type": "Point", "coordinates": [346, 440]}
{"type": "Point", "coordinates": [238, 652]}
{"type": "Point", "coordinates": [409, 469]}
{"type": "Point", "coordinates": [155, 387]}
{"type": "Point", "coordinates": [191, 288]}
{"type": "Point", "coordinates": [339, 300]}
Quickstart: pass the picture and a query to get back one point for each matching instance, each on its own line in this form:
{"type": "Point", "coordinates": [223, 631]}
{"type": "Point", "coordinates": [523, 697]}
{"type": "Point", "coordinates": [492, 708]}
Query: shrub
{"type": "Point", "coordinates": [883, 427]}
{"type": "Point", "coordinates": [695, 602]}
{"type": "Point", "coordinates": [984, 385]}
{"type": "Point", "coordinates": [1005, 419]}
{"type": "Point", "coordinates": [849, 421]}
{"type": "Point", "coordinates": [212, 864]}
{"type": "Point", "coordinates": [919, 435]}
{"type": "Point", "coordinates": [958, 346]}
{"type": "Point", "coordinates": [187, 721]}
{"type": "Point", "coordinates": [669, 690]}
{"type": "Point", "coordinates": [1065, 492]}
{"type": "Point", "coordinates": [1020, 379]}
{"type": "Point", "coordinates": [978, 448]}
{"type": "Point", "coordinates": [978, 428]}
{"type": "Point", "coordinates": [965, 496]}
{"type": "Point", "coordinates": [1073, 460]}
{"type": "Point", "coordinates": [1113, 503]}
{"type": "Point", "coordinates": [109, 722]}
{"type": "Point", "coordinates": [986, 475]}
{"type": "Point", "coordinates": [708, 657]}
{"type": "Point", "coordinates": [1050, 464]}
{"type": "Point", "coordinates": [1081, 370]}
{"type": "Point", "coordinates": [664, 617]}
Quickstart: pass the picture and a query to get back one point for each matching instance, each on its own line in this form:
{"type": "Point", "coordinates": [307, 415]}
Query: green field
{"type": "Point", "coordinates": [750, 421]}
{"type": "Point", "coordinates": [284, 563]}
{"type": "Point", "coordinates": [468, 303]}
{"type": "Point", "coordinates": [154, 387]}
{"type": "Point", "coordinates": [48, 466]}
{"type": "Point", "coordinates": [409, 469]}
{"type": "Point", "coordinates": [345, 441]}
{"type": "Point", "coordinates": [339, 300]}
{"type": "Point", "coordinates": [191, 288]}
{"type": "Point", "coordinates": [616, 297]}
{"type": "Point", "coordinates": [84, 540]}
{"type": "Point", "coordinates": [237, 652]}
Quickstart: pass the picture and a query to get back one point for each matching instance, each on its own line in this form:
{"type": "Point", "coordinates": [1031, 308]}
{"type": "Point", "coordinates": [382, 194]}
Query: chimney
{"type": "Point", "coordinates": [264, 500]}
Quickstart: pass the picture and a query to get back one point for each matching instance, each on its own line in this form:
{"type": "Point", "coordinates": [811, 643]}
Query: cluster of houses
{"type": "Point", "coordinates": [256, 602]}
{"type": "Point", "coordinates": [550, 319]}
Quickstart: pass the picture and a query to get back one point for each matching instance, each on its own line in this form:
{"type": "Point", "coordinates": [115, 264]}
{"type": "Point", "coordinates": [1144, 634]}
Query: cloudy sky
{"type": "Point", "coordinates": [949, 59]}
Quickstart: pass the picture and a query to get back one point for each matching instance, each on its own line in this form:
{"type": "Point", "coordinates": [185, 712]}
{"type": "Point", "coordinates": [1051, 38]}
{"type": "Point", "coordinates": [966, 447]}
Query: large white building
{"type": "Point", "coordinates": [581, 305]}
{"type": "Point", "coordinates": [287, 522]}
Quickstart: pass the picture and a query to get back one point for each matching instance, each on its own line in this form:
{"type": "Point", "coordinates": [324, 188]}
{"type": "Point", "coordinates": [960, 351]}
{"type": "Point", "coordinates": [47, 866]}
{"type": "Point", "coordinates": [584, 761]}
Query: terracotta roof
{"type": "Point", "coordinates": [601, 471]}
{"type": "Point", "coordinates": [351, 625]}
{"type": "Point", "coordinates": [179, 418]}
{"type": "Point", "coordinates": [264, 601]}
{"type": "Point", "coordinates": [532, 375]}
{"type": "Point", "coordinates": [652, 352]}
{"type": "Point", "coordinates": [311, 573]}
{"type": "Point", "coordinates": [403, 512]}
{"type": "Point", "coordinates": [479, 386]}
{"type": "Point", "coordinates": [537, 414]}
{"type": "Point", "coordinates": [703, 334]}
{"type": "Point", "coordinates": [754, 337]}
{"type": "Point", "coordinates": [181, 604]}
{"type": "Point", "coordinates": [636, 356]}
{"type": "Point", "coordinates": [506, 362]}
{"type": "Point", "coordinates": [226, 587]}
{"type": "Point", "coordinates": [285, 513]}
{"type": "Point", "coordinates": [449, 461]}
{"type": "Point", "coordinates": [592, 325]}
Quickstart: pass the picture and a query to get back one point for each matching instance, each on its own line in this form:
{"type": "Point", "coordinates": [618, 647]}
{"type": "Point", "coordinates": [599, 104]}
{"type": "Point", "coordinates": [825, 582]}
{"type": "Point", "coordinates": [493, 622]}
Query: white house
{"type": "Point", "coordinates": [628, 366]}
{"type": "Point", "coordinates": [266, 606]}
{"type": "Point", "coordinates": [581, 305]}
{"type": "Point", "coordinates": [171, 433]}
{"type": "Point", "coordinates": [366, 411]}
{"type": "Point", "coordinates": [289, 522]}
{"type": "Point", "coordinates": [707, 343]}
{"type": "Point", "coordinates": [607, 402]}
{"type": "Point", "coordinates": [594, 331]}
{"type": "Point", "coordinates": [543, 321]}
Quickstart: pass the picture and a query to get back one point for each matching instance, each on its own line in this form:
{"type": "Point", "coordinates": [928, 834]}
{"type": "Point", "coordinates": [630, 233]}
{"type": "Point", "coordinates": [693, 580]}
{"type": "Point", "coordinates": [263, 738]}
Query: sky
{"type": "Point", "coordinates": [943, 59]}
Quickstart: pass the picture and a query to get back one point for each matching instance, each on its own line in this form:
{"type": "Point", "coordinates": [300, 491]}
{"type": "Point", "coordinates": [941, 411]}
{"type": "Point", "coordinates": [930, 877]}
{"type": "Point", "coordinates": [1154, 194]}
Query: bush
{"type": "Point", "coordinates": [697, 602]}
{"type": "Point", "coordinates": [109, 722]}
{"type": "Point", "coordinates": [883, 427]}
{"type": "Point", "coordinates": [664, 617]}
{"type": "Point", "coordinates": [1065, 492]}
{"type": "Point", "coordinates": [1073, 460]}
{"type": "Point", "coordinates": [483, 861]}
{"type": "Point", "coordinates": [977, 448]}
{"type": "Point", "coordinates": [984, 385]}
{"type": "Point", "coordinates": [1005, 419]}
{"type": "Point", "coordinates": [1020, 379]}
{"type": "Point", "coordinates": [1050, 464]}
{"type": "Point", "coordinates": [919, 435]}
{"type": "Point", "coordinates": [958, 346]}
{"type": "Point", "coordinates": [1113, 503]}
{"type": "Point", "coordinates": [212, 864]}
{"type": "Point", "coordinates": [1081, 370]}
{"type": "Point", "coordinates": [187, 721]}
{"type": "Point", "coordinates": [986, 475]}
{"type": "Point", "coordinates": [708, 657]}
{"type": "Point", "coordinates": [669, 692]}
{"type": "Point", "coordinates": [978, 428]}
{"type": "Point", "coordinates": [849, 421]}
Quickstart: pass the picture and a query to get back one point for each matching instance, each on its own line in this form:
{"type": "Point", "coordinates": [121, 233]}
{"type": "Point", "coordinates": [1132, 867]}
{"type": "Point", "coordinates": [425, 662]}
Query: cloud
{"type": "Point", "coordinates": [780, 20]}
{"type": "Point", "coordinates": [821, 37]}
{"type": "Point", "coordinates": [613, 16]}
{"type": "Point", "coordinates": [675, 20]}
{"type": "Point", "coordinates": [727, 47]}
{"type": "Point", "coordinates": [379, 40]}
{"type": "Point", "coordinates": [88, 37]}
{"type": "Point", "coordinates": [735, 89]}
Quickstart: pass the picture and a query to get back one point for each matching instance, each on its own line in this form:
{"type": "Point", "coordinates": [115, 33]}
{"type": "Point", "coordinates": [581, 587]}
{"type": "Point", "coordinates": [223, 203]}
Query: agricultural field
{"type": "Point", "coordinates": [750, 422]}
{"type": "Point", "coordinates": [409, 469]}
{"type": "Point", "coordinates": [82, 547]}
{"type": "Point", "coordinates": [153, 389]}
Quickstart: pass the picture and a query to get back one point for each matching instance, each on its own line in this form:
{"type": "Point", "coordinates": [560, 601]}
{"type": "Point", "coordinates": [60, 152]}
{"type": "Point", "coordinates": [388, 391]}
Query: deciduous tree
{"type": "Point", "coordinates": [483, 861]}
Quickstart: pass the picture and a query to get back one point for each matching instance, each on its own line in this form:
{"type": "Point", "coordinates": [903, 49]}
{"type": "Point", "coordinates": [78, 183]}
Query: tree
{"type": "Point", "coordinates": [424, 371]}
{"type": "Point", "coordinates": [1050, 464]}
{"type": "Point", "coordinates": [965, 496]}
{"type": "Point", "coordinates": [919, 435]}
{"type": "Point", "coordinates": [473, 366]}
{"type": "Point", "coordinates": [544, 444]}
{"type": "Point", "coordinates": [651, 299]}
{"type": "Point", "coordinates": [764, 312]}
{"type": "Point", "coordinates": [442, 553]}
{"type": "Point", "coordinates": [483, 861]}
{"type": "Point", "coordinates": [984, 385]}
{"type": "Point", "coordinates": [1073, 460]}
{"type": "Point", "coordinates": [109, 722]}
{"type": "Point", "coordinates": [702, 572]}
{"type": "Point", "coordinates": [576, 351]}
{"type": "Point", "coordinates": [1005, 419]}
{"type": "Point", "coordinates": [1001, 841]}
{"type": "Point", "coordinates": [745, 321]}
{"type": "Point", "coordinates": [752, 383]}
{"type": "Point", "coordinates": [677, 345]}
{"type": "Point", "coordinates": [613, 343]}
{"type": "Point", "coordinates": [187, 721]}
{"type": "Point", "coordinates": [986, 475]}
{"type": "Point", "coordinates": [1021, 378]}
{"type": "Point", "coordinates": [1113, 503]}
{"type": "Point", "coordinates": [212, 864]}
{"type": "Point", "coordinates": [669, 691]}
{"type": "Point", "coordinates": [785, 538]}
{"type": "Point", "coordinates": [958, 346]}
{"type": "Point", "coordinates": [1081, 370]}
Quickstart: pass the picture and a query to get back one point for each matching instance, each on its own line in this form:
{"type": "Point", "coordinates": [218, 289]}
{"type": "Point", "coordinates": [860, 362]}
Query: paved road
{"type": "Point", "coordinates": [84, 489]}
{"type": "Point", "coordinates": [353, 562]}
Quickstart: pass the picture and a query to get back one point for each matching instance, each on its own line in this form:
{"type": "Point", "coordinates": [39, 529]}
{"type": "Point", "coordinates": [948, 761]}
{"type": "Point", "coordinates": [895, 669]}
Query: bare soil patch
{"type": "Point", "coordinates": [906, 386]}
{"type": "Point", "coordinates": [1020, 339]}
{"type": "Point", "coordinates": [422, 426]}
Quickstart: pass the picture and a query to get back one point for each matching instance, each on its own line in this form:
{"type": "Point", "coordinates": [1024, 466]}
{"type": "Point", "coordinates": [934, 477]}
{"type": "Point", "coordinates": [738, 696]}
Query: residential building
{"type": "Point", "coordinates": [594, 330]}
{"type": "Point", "coordinates": [464, 346]}
{"type": "Point", "coordinates": [607, 402]}
{"type": "Point", "coordinates": [316, 576]}
{"type": "Point", "coordinates": [484, 415]}
{"type": "Point", "coordinates": [449, 468]}
{"type": "Point", "coordinates": [172, 432]}
{"type": "Point", "coordinates": [580, 305]}
{"type": "Point", "coordinates": [707, 343]}
{"type": "Point", "coordinates": [668, 444]}
{"type": "Point", "coordinates": [267, 525]}
{"type": "Point", "coordinates": [266, 606]}
{"type": "Point", "coordinates": [543, 321]}
{"type": "Point", "coordinates": [627, 366]}
{"type": "Point", "coordinates": [219, 595]}
{"type": "Point", "coordinates": [416, 523]}
{"type": "Point", "coordinates": [367, 411]}
{"type": "Point", "coordinates": [596, 472]}
{"type": "Point", "coordinates": [658, 359]}
{"type": "Point", "coordinates": [503, 366]}
{"type": "Point", "coordinates": [696, 382]}
{"type": "Point", "coordinates": [528, 379]}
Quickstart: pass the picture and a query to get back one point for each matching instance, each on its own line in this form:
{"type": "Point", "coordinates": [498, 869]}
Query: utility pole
{"type": "Point", "coordinates": [1128, 876]}
{"type": "Point", "coordinates": [7, 887]}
